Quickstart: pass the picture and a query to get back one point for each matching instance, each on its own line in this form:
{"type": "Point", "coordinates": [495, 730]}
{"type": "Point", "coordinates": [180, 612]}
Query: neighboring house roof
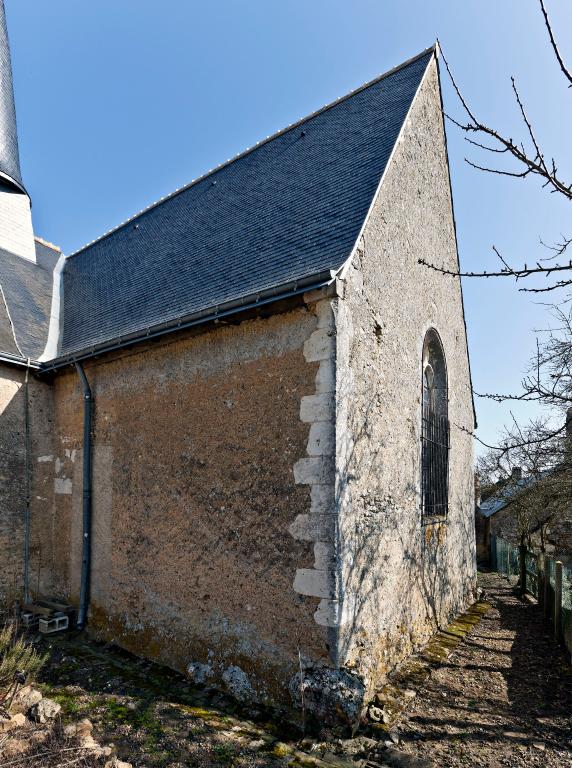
{"type": "Point", "coordinates": [27, 295]}
{"type": "Point", "coordinates": [505, 496]}
{"type": "Point", "coordinates": [9, 157]}
{"type": "Point", "coordinates": [286, 213]}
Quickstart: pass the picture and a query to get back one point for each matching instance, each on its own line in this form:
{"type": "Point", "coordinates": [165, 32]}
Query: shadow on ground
{"type": "Point", "coordinates": [503, 698]}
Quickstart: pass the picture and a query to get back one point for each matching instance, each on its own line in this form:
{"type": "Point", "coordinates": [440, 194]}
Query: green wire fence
{"type": "Point", "coordinates": [547, 579]}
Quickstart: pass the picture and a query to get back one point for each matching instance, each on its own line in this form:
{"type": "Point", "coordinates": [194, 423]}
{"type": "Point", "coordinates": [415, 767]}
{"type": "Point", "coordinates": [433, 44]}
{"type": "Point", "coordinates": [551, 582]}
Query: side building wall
{"type": "Point", "coordinates": [400, 577]}
{"type": "Point", "coordinates": [204, 500]}
{"type": "Point", "coordinates": [17, 475]}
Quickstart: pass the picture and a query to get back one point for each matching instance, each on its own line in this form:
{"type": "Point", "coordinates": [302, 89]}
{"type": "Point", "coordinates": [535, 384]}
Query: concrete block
{"type": "Point", "coordinates": [313, 528]}
{"type": "Point", "coordinates": [29, 620]}
{"type": "Point", "coordinates": [320, 346]}
{"type": "Point", "coordinates": [317, 408]}
{"type": "Point", "coordinates": [324, 556]}
{"type": "Point", "coordinates": [322, 439]}
{"type": "Point", "coordinates": [328, 613]}
{"type": "Point", "coordinates": [313, 583]}
{"type": "Point", "coordinates": [326, 377]}
{"type": "Point", "coordinates": [325, 314]}
{"type": "Point", "coordinates": [63, 485]}
{"type": "Point", "coordinates": [323, 500]}
{"type": "Point", "coordinates": [56, 624]}
{"type": "Point", "coordinates": [319, 470]}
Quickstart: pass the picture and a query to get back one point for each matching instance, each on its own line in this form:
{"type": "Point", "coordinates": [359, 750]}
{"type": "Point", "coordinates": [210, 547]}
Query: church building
{"type": "Point", "coordinates": [235, 429]}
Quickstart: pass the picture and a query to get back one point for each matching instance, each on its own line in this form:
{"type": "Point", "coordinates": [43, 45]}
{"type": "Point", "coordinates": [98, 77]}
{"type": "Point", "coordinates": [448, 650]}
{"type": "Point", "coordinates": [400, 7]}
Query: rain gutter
{"type": "Point", "coordinates": [202, 317]}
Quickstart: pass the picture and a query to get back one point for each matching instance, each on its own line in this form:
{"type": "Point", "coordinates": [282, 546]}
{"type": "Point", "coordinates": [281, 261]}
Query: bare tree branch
{"type": "Point", "coordinates": [563, 67]}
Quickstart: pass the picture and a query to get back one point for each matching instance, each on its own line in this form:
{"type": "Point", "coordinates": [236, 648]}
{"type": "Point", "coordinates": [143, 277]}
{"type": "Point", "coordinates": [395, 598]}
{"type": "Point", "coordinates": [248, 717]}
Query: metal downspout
{"type": "Point", "coordinates": [86, 538]}
{"type": "Point", "coordinates": [27, 489]}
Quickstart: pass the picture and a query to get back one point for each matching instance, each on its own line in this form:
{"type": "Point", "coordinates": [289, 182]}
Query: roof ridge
{"type": "Point", "coordinates": [431, 49]}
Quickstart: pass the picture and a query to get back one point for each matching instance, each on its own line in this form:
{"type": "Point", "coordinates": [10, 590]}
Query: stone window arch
{"type": "Point", "coordinates": [434, 428]}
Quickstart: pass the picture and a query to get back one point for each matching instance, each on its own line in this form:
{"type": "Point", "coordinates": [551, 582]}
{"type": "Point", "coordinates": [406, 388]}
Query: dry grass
{"type": "Point", "coordinates": [53, 750]}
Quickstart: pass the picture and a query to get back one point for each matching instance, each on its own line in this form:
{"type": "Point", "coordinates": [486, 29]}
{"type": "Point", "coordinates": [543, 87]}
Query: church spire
{"type": "Point", "coordinates": [9, 156]}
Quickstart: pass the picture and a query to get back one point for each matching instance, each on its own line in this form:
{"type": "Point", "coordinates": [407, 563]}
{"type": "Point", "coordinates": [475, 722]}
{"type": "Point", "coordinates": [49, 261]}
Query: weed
{"type": "Point", "coordinates": [17, 655]}
{"type": "Point", "coordinates": [224, 753]}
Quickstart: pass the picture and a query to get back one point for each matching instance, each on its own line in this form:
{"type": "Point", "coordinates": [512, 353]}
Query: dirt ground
{"type": "Point", "coordinates": [493, 689]}
{"type": "Point", "coordinates": [504, 697]}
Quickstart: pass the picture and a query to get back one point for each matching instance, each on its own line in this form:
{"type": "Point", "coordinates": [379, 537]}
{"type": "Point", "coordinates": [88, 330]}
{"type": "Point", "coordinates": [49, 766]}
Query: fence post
{"type": "Point", "coordinates": [522, 568]}
{"type": "Point", "coordinates": [558, 600]}
{"type": "Point", "coordinates": [540, 576]}
{"type": "Point", "coordinates": [546, 587]}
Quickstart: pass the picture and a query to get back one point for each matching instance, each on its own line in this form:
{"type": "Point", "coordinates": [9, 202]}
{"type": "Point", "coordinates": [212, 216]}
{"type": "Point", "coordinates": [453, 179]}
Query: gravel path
{"type": "Point", "coordinates": [504, 698]}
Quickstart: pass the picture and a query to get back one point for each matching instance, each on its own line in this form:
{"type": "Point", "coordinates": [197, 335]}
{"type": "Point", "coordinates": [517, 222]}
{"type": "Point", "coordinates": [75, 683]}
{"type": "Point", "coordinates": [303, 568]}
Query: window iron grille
{"type": "Point", "coordinates": [434, 463]}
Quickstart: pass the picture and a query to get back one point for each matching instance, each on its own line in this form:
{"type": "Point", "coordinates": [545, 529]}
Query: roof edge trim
{"type": "Point", "coordinates": [55, 322]}
{"type": "Point", "coordinates": [19, 187]}
{"type": "Point", "coordinates": [202, 317]}
{"type": "Point", "coordinates": [249, 150]}
{"type": "Point", "coordinates": [475, 420]}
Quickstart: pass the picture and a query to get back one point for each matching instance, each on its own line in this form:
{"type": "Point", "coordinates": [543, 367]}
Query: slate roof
{"type": "Point", "coordinates": [9, 157]}
{"type": "Point", "coordinates": [27, 296]}
{"type": "Point", "coordinates": [289, 211]}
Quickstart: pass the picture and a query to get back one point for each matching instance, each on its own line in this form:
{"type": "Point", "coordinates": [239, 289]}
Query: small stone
{"type": "Point", "coordinates": [359, 745]}
{"type": "Point", "coordinates": [394, 736]}
{"type": "Point", "coordinates": [199, 673]}
{"type": "Point", "coordinates": [25, 699]}
{"type": "Point", "coordinates": [45, 710]}
{"type": "Point", "coordinates": [84, 728]}
{"type": "Point", "coordinates": [39, 737]}
{"type": "Point", "coordinates": [238, 684]}
{"type": "Point", "coordinates": [16, 721]}
{"type": "Point", "coordinates": [410, 694]}
{"type": "Point", "coordinates": [256, 744]}
{"type": "Point", "coordinates": [375, 714]}
{"type": "Point", "coordinates": [539, 745]}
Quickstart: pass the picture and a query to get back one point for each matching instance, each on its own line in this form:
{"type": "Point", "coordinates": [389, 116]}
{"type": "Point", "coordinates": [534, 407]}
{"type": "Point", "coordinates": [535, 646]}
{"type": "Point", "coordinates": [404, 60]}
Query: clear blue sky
{"type": "Point", "coordinates": [121, 102]}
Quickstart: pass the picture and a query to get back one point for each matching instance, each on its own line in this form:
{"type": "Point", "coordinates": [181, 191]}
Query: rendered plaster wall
{"type": "Point", "coordinates": [196, 441]}
{"type": "Point", "coordinates": [400, 577]}
{"type": "Point", "coordinates": [13, 485]}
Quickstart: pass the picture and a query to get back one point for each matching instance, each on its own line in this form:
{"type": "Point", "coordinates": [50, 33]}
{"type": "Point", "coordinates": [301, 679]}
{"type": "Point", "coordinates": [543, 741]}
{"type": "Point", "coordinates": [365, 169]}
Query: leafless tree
{"type": "Point", "coordinates": [541, 447]}
{"type": "Point", "coordinates": [521, 159]}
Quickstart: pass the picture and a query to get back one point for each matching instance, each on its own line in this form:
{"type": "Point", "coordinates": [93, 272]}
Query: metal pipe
{"type": "Point", "coordinates": [27, 490]}
{"type": "Point", "coordinates": [86, 538]}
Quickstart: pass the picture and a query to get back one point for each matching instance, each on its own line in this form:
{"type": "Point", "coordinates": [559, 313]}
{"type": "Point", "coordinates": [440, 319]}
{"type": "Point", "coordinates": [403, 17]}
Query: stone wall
{"type": "Point", "coordinates": [194, 492]}
{"type": "Point", "coordinates": [401, 578]}
{"type": "Point", "coordinates": [13, 485]}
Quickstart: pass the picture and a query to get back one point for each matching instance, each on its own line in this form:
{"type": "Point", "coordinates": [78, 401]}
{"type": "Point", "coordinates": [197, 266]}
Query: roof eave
{"type": "Point", "coordinates": [203, 317]}
{"type": "Point", "coordinates": [19, 362]}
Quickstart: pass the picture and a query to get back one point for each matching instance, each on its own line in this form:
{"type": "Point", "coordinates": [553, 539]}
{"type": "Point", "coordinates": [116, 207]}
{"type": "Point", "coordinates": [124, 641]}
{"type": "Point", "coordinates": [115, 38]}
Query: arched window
{"type": "Point", "coordinates": [434, 429]}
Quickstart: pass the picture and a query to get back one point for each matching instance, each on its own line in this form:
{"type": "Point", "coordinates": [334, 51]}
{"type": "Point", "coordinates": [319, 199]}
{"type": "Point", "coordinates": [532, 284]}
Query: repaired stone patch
{"type": "Point", "coordinates": [329, 694]}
